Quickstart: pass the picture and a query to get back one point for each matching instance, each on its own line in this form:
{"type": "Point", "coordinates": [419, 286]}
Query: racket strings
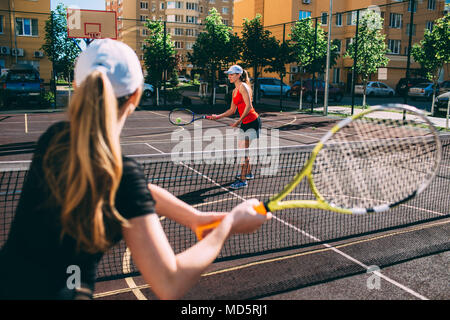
{"type": "Point", "coordinates": [181, 117]}
{"type": "Point", "coordinates": [373, 162]}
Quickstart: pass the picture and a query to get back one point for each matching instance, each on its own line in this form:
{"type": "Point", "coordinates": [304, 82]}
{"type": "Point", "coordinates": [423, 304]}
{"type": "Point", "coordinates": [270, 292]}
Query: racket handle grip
{"type": "Point", "coordinates": [203, 230]}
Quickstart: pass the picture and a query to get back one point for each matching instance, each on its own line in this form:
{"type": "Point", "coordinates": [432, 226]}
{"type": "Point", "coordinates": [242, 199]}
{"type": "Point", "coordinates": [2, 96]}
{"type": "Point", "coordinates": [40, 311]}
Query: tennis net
{"type": "Point", "coordinates": [203, 180]}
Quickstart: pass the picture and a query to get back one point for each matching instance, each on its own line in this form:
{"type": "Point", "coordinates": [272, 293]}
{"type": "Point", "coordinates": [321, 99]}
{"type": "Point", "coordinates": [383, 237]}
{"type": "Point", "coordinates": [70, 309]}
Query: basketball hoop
{"type": "Point", "coordinates": [91, 24]}
{"type": "Point", "coordinates": [94, 35]}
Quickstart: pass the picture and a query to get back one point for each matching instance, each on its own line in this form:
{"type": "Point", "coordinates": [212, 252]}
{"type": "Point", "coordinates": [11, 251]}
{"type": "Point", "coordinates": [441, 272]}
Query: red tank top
{"type": "Point", "coordinates": [238, 100]}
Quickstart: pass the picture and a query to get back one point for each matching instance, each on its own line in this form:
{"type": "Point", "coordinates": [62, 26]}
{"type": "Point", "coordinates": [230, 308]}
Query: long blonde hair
{"type": "Point", "coordinates": [246, 79]}
{"type": "Point", "coordinates": [90, 167]}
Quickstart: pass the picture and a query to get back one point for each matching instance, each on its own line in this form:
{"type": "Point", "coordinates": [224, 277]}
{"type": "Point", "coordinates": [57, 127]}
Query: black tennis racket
{"type": "Point", "coordinates": [183, 117]}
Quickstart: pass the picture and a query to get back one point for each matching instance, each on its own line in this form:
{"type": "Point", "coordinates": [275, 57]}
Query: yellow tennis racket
{"type": "Point", "coordinates": [366, 163]}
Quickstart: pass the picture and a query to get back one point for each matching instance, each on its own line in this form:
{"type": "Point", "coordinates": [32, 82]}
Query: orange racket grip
{"type": "Point", "coordinates": [201, 231]}
{"type": "Point", "coordinates": [261, 208]}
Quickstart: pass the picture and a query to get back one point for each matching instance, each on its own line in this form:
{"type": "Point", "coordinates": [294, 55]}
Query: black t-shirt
{"type": "Point", "coordinates": [34, 261]}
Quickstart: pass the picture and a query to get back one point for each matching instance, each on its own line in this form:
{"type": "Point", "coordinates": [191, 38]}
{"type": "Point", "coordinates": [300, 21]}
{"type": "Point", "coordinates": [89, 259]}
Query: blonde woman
{"type": "Point", "coordinates": [249, 120]}
{"type": "Point", "coordinates": [81, 196]}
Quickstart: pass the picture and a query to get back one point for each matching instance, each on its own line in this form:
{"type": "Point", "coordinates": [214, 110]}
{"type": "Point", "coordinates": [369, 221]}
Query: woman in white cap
{"type": "Point", "coordinates": [249, 120]}
{"type": "Point", "coordinates": [81, 196]}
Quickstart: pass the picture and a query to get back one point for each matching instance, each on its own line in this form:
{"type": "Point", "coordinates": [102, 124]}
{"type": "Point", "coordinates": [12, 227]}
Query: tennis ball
{"type": "Point", "coordinates": [178, 120]}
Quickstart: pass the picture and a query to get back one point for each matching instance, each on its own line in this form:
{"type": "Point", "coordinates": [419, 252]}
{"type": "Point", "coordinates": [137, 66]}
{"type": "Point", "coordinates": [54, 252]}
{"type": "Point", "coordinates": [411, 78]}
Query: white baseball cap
{"type": "Point", "coordinates": [117, 60]}
{"type": "Point", "coordinates": [235, 69]}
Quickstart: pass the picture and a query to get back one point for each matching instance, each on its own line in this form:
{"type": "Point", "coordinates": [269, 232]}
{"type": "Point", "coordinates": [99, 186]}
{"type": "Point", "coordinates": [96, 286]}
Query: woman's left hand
{"type": "Point", "coordinates": [236, 124]}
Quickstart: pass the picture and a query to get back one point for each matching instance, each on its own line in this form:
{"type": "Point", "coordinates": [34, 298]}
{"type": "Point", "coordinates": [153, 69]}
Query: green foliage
{"type": "Point", "coordinates": [371, 53]}
{"type": "Point", "coordinates": [215, 48]}
{"type": "Point", "coordinates": [434, 50]}
{"type": "Point", "coordinates": [58, 47]}
{"type": "Point", "coordinates": [159, 53]}
{"type": "Point", "coordinates": [304, 38]}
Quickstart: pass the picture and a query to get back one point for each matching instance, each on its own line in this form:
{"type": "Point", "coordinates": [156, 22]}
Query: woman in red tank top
{"type": "Point", "coordinates": [249, 120]}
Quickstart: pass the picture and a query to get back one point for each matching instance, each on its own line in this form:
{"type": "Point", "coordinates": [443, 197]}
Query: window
{"type": "Point", "coordinates": [339, 19]}
{"type": "Point", "coordinates": [143, 18]}
{"type": "Point", "coordinates": [174, 5]}
{"type": "Point", "coordinates": [190, 19]}
{"type": "Point", "coordinates": [324, 18]}
{"type": "Point", "coordinates": [178, 45]}
{"type": "Point", "coordinates": [395, 20]}
{"type": "Point", "coordinates": [415, 6]}
{"type": "Point", "coordinates": [338, 45]}
{"type": "Point", "coordinates": [408, 26]}
{"type": "Point", "coordinates": [225, 10]}
{"type": "Point", "coordinates": [225, 22]}
{"type": "Point", "coordinates": [26, 27]}
{"type": "Point", "coordinates": [431, 5]}
{"type": "Point", "coordinates": [1, 24]}
{"type": "Point", "coordinates": [179, 31]}
{"type": "Point", "coordinates": [304, 15]}
{"type": "Point", "coordinates": [394, 46]}
{"type": "Point", "coordinates": [351, 18]}
{"type": "Point", "coordinates": [190, 32]}
{"type": "Point", "coordinates": [191, 6]}
{"type": "Point", "coordinates": [189, 45]}
{"type": "Point", "coordinates": [144, 5]}
{"type": "Point", "coordinates": [429, 25]}
{"type": "Point", "coordinates": [336, 75]}
{"type": "Point", "coordinates": [347, 42]}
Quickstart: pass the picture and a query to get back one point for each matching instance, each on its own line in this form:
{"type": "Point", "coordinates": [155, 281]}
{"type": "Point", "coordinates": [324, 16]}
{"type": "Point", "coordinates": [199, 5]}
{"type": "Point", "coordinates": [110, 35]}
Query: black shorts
{"type": "Point", "coordinates": [251, 130]}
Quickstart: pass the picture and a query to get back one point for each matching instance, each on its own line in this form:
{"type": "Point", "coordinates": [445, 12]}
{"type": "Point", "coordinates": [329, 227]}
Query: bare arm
{"type": "Point", "coordinates": [170, 275]}
{"type": "Point", "coordinates": [166, 204]}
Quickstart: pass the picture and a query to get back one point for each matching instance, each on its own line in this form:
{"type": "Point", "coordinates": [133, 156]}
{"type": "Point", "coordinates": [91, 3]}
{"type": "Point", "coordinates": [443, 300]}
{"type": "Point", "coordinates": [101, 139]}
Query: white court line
{"type": "Point", "coordinates": [152, 147]}
{"type": "Point", "coordinates": [379, 274]}
{"type": "Point", "coordinates": [126, 260]}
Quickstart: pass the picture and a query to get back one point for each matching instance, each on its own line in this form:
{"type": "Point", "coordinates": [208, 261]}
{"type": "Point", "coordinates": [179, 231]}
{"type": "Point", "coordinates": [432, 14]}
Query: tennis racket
{"type": "Point", "coordinates": [183, 117]}
{"type": "Point", "coordinates": [365, 164]}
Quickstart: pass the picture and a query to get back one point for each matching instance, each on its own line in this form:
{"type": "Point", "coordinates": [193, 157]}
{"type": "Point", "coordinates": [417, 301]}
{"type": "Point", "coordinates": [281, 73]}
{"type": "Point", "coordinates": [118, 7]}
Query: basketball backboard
{"type": "Point", "coordinates": [91, 24]}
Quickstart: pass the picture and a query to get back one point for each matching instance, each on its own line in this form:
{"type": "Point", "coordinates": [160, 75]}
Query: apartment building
{"type": "Point", "coordinates": [184, 21]}
{"type": "Point", "coordinates": [343, 23]}
{"type": "Point", "coordinates": [28, 18]}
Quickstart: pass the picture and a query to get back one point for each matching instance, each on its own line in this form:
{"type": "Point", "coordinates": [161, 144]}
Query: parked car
{"type": "Point", "coordinates": [22, 85]}
{"type": "Point", "coordinates": [444, 87]}
{"type": "Point", "coordinates": [440, 108]}
{"type": "Point", "coordinates": [149, 90]}
{"type": "Point", "coordinates": [401, 89]}
{"type": "Point", "coordinates": [183, 79]}
{"type": "Point", "coordinates": [422, 90]}
{"type": "Point", "coordinates": [271, 87]}
{"type": "Point", "coordinates": [375, 88]}
{"type": "Point", "coordinates": [334, 92]}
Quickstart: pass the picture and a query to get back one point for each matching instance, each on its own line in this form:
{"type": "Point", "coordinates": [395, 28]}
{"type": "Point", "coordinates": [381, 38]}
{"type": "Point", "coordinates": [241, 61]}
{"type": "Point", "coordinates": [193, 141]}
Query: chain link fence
{"type": "Point", "coordinates": [190, 73]}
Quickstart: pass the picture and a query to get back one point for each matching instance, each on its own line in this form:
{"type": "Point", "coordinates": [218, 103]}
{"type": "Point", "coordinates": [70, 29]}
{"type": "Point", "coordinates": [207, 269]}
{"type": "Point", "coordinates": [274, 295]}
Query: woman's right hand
{"type": "Point", "coordinates": [245, 219]}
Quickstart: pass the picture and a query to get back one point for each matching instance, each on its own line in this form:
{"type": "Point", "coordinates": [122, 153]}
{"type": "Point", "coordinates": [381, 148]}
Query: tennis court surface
{"type": "Point", "coordinates": [306, 254]}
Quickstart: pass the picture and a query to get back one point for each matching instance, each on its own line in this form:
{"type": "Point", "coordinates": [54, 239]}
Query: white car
{"type": "Point", "coordinates": [148, 90]}
{"type": "Point", "coordinates": [375, 88]}
{"type": "Point", "coordinates": [183, 79]}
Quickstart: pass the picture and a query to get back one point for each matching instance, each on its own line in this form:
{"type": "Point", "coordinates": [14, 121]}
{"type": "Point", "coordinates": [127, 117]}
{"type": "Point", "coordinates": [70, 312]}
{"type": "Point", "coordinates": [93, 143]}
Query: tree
{"type": "Point", "coordinates": [215, 48]}
{"type": "Point", "coordinates": [434, 51]}
{"type": "Point", "coordinates": [371, 51]}
{"type": "Point", "coordinates": [58, 47]}
{"type": "Point", "coordinates": [159, 53]}
{"type": "Point", "coordinates": [282, 55]}
{"type": "Point", "coordinates": [309, 47]}
{"type": "Point", "coordinates": [257, 47]}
